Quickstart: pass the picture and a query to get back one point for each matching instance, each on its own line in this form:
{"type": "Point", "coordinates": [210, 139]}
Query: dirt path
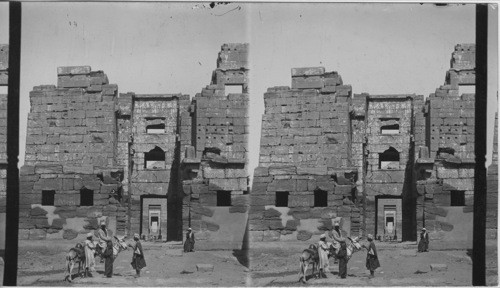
{"type": "Point", "coordinates": [42, 264]}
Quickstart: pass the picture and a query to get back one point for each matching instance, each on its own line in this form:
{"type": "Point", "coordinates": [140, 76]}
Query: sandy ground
{"type": "Point", "coordinates": [42, 263]}
{"type": "Point", "coordinates": [274, 265]}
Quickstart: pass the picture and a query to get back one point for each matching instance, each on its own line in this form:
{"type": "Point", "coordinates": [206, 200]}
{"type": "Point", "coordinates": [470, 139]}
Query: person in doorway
{"type": "Point", "coordinates": [342, 256]}
{"type": "Point", "coordinates": [423, 244]}
{"type": "Point", "coordinates": [138, 261]}
{"type": "Point", "coordinates": [109, 259]}
{"type": "Point", "coordinates": [189, 244]}
{"type": "Point", "coordinates": [89, 256]}
{"type": "Point", "coordinates": [323, 250]}
{"type": "Point", "coordinates": [372, 262]}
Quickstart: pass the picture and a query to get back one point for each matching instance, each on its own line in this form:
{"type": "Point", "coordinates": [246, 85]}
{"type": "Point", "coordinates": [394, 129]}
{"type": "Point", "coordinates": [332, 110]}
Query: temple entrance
{"type": "Point", "coordinates": [389, 218]}
{"type": "Point", "coordinates": [154, 221]}
{"type": "Point", "coordinates": [154, 217]}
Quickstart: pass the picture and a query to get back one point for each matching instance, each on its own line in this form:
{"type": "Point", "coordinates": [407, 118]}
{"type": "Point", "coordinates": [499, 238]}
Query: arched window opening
{"type": "Point", "coordinates": [389, 160]}
{"type": "Point", "coordinates": [154, 159]}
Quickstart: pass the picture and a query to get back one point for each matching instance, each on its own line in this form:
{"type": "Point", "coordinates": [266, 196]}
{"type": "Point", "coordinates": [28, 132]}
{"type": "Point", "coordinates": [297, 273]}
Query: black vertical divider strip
{"type": "Point", "coordinates": [12, 209]}
{"type": "Point", "coordinates": [479, 244]}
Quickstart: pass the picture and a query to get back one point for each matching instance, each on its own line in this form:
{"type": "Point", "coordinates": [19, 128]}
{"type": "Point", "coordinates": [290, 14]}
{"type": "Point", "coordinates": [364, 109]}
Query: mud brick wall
{"type": "Point", "coordinates": [73, 123]}
{"type": "Point", "coordinates": [67, 218]}
{"type": "Point", "coordinates": [305, 150]}
{"type": "Point", "coordinates": [216, 159]}
{"type": "Point", "coordinates": [4, 64]}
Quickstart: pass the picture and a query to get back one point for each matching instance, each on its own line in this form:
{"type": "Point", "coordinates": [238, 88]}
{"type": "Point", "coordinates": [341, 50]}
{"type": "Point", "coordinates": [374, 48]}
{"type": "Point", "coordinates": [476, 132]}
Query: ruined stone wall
{"type": "Point", "coordinates": [446, 174]}
{"type": "Point", "coordinates": [74, 122]}
{"type": "Point", "coordinates": [148, 145]}
{"type": "Point", "coordinates": [304, 151]}
{"type": "Point", "coordinates": [4, 65]}
{"type": "Point", "coordinates": [67, 217]}
{"type": "Point", "coordinates": [215, 174]}
{"type": "Point", "coordinates": [69, 180]}
{"type": "Point", "coordinates": [388, 152]}
{"type": "Point", "coordinates": [492, 189]}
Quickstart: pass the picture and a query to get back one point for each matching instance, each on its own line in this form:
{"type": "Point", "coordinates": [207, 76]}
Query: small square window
{"type": "Point", "coordinates": [457, 198]}
{"type": "Point", "coordinates": [223, 198]}
{"type": "Point", "coordinates": [48, 197]}
{"type": "Point", "coordinates": [320, 198]}
{"type": "Point", "coordinates": [86, 197]}
{"type": "Point", "coordinates": [282, 199]}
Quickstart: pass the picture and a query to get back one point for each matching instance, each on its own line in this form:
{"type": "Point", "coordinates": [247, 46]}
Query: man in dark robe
{"type": "Point", "coordinates": [342, 256]}
{"type": "Point", "coordinates": [108, 259]}
{"type": "Point", "coordinates": [189, 244]}
{"type": "Point", "coordinates": [138, 261]}
{"type": "Point", "coordinates": [372, 262]}
{"type": "Point", "coordinates": [423, 244]}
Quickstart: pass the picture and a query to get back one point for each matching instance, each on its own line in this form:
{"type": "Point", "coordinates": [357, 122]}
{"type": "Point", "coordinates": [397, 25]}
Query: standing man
{"type": "Point", "coordinates": [342, 256]}
{"type": "Point", "coordinates": [423, 244]}
{"type": "Point", "coordinates": [89, 256]}
{"type": "Point", "coordinates": [372, 262]}
{"type": "Point", "coordinates": [323, 255]}
{"type": "Point", "coordinates": [108, 264]}
{"type": "Point", "coordinates": [189, 244]}
{"type": "Point", "coordinates": [138, 260]}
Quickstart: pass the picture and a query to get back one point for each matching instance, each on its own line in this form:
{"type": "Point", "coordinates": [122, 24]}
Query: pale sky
{"type": "Point", "coordinates": [172, 47]}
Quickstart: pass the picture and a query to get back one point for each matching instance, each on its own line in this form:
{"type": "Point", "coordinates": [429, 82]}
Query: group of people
{"type": "Point", "coordinates": [105, 244]}
{"type": "Point", "coordinates": [339, 244]}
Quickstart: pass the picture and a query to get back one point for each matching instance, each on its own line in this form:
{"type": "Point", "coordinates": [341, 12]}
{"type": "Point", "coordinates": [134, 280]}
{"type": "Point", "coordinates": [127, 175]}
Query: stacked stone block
{"type": "Point", "coordinates": [216, 161]}
{"type": "Point", "coordinates": [492, 189]}
{"type": "Point", "coordinates": [396, 112]}
{"type": "Point", "coordinates": [67, 218]}
{"type": "Point", "coordinates": [305, 149]}
{"type": "Point", "coordinates": [161, 179]}
{"type": "Point", "coordinates": [309, 126]}
{"type": "Point", "coordinates": [4, 64]}
{"type": "Point", "coordinates": [73, 123]}
{"type": "Point", "coordinates": [446, 165]}
{"type": "Point", "coordinates": [71, 145]}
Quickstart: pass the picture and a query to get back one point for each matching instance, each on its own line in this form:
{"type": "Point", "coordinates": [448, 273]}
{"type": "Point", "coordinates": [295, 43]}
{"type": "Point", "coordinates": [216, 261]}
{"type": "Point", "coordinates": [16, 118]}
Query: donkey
{"type": "Point", "coordinates": [310, 256]}
{"type": "Point", "coordinates": [75, 255]}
